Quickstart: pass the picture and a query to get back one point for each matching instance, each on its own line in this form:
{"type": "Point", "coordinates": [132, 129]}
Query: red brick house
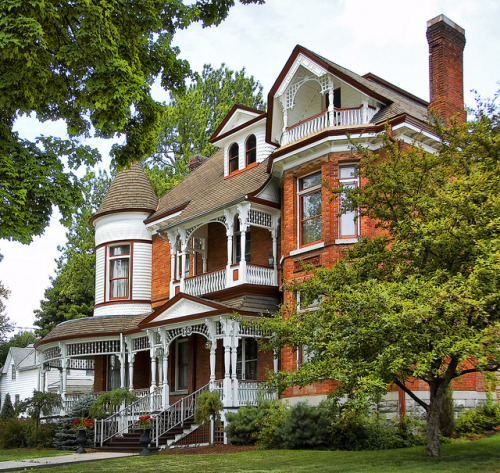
{"type": "Point", "coordinates": [175, 277]}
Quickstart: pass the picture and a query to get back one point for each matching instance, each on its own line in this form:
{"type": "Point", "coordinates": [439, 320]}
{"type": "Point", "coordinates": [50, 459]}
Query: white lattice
{"type": "Point", "coordinates": [91, 348]}
{"type": "Point", "coordinates": [52, 354]}
{"type": "Point", "coordinates": [261, 219]}
{"type": "Point", "coordinates": [139, 344]}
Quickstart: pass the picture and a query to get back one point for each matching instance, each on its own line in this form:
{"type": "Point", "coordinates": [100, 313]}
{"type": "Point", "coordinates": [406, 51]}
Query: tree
{"type": "Point", "coordinates": [423, 301]}
{"type": "Point", "coordinates": [5, 324]}
{"type": "Point", "coordinates": [71, 295]}
{"type": "Point", "coordinates": [192, 117]}
{"type": "Point", "coordinates": [7, 408]}
{"type": "Point", "coordinates": [20, 339]}
{"type": "Point", "coordinates": [40, 404]}
{"type": "Point", "coordinates": [92, 65]}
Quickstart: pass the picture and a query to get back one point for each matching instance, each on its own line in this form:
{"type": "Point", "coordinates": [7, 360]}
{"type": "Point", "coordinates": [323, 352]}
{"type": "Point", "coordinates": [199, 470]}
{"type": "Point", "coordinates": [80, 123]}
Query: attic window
{"type": "Point", "coordinates": [233, 157]}
{"type": "Point", "coordinates": [251, 149]}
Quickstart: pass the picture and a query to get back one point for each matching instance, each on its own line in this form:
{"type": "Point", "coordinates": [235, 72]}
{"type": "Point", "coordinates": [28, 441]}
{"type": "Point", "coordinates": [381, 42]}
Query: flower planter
{"type": "Point", "coordinates": [145, 440]}
{"type": "Point", "coordinates": [81, 440]}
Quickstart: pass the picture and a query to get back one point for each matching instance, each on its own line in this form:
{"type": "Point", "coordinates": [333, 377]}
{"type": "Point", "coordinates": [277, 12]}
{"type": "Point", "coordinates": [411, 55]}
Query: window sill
{"type": "Point", "coordinates": [305, 249]}
{"type": "Point", "coordinates": [179, 392]}
{"type": "Point", "coordinates": [346, 241]}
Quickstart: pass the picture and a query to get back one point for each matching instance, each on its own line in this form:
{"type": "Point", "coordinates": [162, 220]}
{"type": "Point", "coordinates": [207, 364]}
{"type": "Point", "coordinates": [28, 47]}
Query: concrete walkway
{"type": "Point", "coordinates": [60, 460]}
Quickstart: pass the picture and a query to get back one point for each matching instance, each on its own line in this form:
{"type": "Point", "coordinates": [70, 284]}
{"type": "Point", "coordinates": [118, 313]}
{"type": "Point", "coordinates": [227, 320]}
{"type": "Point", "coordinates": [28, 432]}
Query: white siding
{"type": "Point", "coordinates": [121, 226]}
{"type": "Point", "coordinates": [100, 277]}
{"type": "Point", "coordinates": [141, 271]}
{"type": "Point", "coordinates": [123, 308]}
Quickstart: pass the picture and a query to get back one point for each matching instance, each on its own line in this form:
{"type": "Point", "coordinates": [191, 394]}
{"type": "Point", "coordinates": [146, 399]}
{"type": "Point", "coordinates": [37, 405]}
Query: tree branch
{"type": "Point", "coordinates": [410, 393]}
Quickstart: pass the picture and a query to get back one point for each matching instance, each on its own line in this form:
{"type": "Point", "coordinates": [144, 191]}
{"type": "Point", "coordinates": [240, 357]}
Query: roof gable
{"type": "Point", "coordinates": [237, 118]}
{"type": "Point", "coordinates": [184, 305]}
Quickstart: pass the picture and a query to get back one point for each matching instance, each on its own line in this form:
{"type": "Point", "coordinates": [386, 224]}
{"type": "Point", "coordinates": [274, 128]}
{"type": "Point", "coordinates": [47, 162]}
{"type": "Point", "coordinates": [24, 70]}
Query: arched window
{"type": "Point", "coordinates": [233, 157]}
{"type": "Point", "coordinates": [251, 149]}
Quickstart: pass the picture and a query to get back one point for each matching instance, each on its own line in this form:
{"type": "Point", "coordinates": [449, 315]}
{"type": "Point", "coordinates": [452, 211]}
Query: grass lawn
{"type": "Point", "coordinates": [480, 456]}
{"type": "Point", "coordinates": [28, 453]}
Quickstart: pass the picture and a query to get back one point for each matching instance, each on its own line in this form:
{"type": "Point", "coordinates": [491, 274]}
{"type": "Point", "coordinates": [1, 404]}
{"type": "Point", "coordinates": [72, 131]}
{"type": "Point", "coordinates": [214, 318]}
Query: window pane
{"type": "Point", "coordinates": [119, 268]}
{"type": "Point", "coordinates": [311, 230]}
{"type": "Point", "coordinates": [251, 149]}
{"type": "Point", "coordinates": [311, 205]}
{"type": "Point", "coordinates": [119, 288]}
{"type": "Point", "coordinates": [348, 218]}
{"type": "Point", "coordinates": [182, 365]}
{"type": "Point", "coordinates": [120, 250]}
{"type": "Point", "coordinates": [309, 181]}
{"type": "Point", "coordinates": [348, 172]}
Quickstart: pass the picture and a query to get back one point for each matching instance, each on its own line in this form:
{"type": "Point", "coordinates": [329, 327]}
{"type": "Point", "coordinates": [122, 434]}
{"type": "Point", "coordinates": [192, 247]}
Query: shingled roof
{"type": "Point", "coordinates": [205, 189]}
{"type": "Point", "coordinates": [93, 327]}
{"type": "Point", "coordinates": [130, 190]}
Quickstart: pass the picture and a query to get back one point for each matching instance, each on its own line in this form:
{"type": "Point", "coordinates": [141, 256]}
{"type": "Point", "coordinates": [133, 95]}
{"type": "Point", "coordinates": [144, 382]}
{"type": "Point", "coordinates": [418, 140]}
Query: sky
{"type": "Point", "coordinates": [385, 37]}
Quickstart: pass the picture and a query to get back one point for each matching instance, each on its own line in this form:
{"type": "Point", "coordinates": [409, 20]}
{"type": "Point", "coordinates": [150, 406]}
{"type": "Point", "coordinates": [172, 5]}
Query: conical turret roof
{"type": "Point", "coordinates": [129, 191]}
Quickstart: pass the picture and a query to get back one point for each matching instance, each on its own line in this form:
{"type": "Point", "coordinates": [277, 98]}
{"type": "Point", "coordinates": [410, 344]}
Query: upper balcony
{"type": "Point", "coordinates": [238, 246]}
{"type": "Point", "coordinates": [336, 117]}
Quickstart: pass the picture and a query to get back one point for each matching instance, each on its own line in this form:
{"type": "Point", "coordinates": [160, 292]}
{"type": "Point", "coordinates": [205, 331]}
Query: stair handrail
{"type": "Point", "coordinates": [175, 414]}
{"type": "Point", "coordinates": [112, 423]}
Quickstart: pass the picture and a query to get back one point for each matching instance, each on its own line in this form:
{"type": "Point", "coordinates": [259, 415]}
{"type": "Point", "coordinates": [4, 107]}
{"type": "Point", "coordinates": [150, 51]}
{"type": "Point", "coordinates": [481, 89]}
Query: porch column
{"type": "Point", "coordinates": [227, 375]}
{"type": "Point", "coordinates": [184, 247]}
{"type": "Point", "coordinates": [41, 381]}
{"type": "Point", "coordinates": [234, 377]}
{"type": "Point", "coordinates": [64, 382]}
{"type": "Point", "coordinates": [131, 359]}
{"type": "Point", "coordinates": [172, 271]}
{"type": "Point", "coordinates": [275, 361]}
{"type": "Point", "coordinates": [165, 391]}
{"type": "Point", "coordinates": [274, 236]}
{"type": "Point", "coordinates": [331, 111]}
{"type": "Point", "coordinates": [213, 350]}
{"type": "Point", "coordinates": [229, 233]}
{"type": "Point", "coordinates": [243, 263]}
{"type": "Point", "coordinates": [153, 371]}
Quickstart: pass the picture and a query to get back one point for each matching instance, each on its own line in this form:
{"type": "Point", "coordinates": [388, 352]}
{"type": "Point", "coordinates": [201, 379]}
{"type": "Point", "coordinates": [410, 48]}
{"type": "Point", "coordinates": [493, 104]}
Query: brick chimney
{"type": "Point", "coordinates": [446, 44]}
{"type": "Point", "coordinates": [196, 161]}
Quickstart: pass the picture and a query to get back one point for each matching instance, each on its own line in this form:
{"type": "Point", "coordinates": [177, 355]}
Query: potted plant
{"type": "Point", "coordinates": [82, 425]}
{"type": "Point", "coordinates": [145, 423]}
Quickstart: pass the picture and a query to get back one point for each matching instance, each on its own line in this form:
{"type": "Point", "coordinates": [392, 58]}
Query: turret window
{"type": "Point", "coordinates": [251, 149]}
{"type": "Point", "coordinates": [119, 275]}
{"type": "Point", "coordinates": [234, 155]}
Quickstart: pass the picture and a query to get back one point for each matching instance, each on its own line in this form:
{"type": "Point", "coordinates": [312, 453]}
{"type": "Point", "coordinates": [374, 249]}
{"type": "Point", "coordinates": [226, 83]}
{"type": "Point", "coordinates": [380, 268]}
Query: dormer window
{"type": "Point", "coordinates": [119, 263]}
{"type": "Point", "coordinates": [251, 150]}
{"type": "Point", "coordinates": [233, 158]}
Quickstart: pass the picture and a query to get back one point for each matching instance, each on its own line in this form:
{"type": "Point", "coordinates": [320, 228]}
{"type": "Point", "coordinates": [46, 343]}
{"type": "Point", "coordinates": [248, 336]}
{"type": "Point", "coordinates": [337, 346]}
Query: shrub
{"type": "Point", "coordinates": [14, 433]}
{"type": "Point", "coordinates": [304, 427]}
{"type": "Point", "coordinates": [7, 408]}
{"type": "Point", "coordinates": [107, 403]}
{"type": "Point", "coordinates": [65, 436]}
{"type": "Point", "coordinates": [480, 419]}
{"type": "Point", "coordinates": [267, 435]}
{"type": "Point", "coordinates": [243, 426]}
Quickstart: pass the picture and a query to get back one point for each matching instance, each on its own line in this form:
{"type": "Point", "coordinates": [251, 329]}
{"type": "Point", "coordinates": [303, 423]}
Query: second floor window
{"type": "Point", "coordinates": [251, 150]}
{"type": "Point", "coordinates": [119, 262]}
{"type": "Point", "coordinates": [309, 200]}
{"type": "Point", "coordinates": [234, 156]}
{"type": "Point", "coordinates": [348, 224]}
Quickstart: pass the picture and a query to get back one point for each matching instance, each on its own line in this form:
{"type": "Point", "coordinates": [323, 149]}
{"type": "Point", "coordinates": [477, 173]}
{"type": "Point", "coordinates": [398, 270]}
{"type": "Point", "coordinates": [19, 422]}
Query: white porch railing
{"type": "Point", "coordinates": [340, 117]}
{"type": "Point", "coordinates": [121, 421]}
{"type": "Point", "coordinates": [260, 275]}
{"type": "Point", "coordinates": [205, 283]}
{"type": "Point", "coordinates": [72, 398]}
{"type": "Point", "coordinates": [249, 392]}
{"type": "Point", "coordinates": [217, 280]}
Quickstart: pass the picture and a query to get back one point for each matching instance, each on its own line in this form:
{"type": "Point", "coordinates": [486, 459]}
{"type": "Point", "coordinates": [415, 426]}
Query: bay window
{"type": "Point", "coordinates": [348, 224]}
{"type": "Point", "coordinates": [119, 273]}
{"type": "Point", "coordinates": [309, 201]}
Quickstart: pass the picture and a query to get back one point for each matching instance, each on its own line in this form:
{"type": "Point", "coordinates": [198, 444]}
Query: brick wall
{"type": "Point", "coordinates": [217, 246]}
{"type": "Point", "coordinates": [160, 279]}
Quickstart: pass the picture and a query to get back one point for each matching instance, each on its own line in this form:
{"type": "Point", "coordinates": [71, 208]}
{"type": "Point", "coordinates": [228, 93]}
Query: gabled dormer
{"type": "Point", "coordinates": [242, 136]}
{"type": "Point", "coordinates": [313, 94]}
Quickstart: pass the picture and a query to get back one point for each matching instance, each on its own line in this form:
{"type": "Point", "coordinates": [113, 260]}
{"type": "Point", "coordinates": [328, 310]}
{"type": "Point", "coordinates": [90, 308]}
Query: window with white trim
{"type": "Point", "coordinates": [251, 150]}
{"type": "Point", "coordinates": [348, 222]}
{"type": "Point", "coordinates": [14, 372]}
{"type": "Point", "coordinates": [246, 365]}
{"type": "Point", "coordinates": [234, 157]}
{"type": "Point", "coordinates": [181, 364]}
{"type": "Point", "coordinates": [119, 272]}
{"type": "Point", "coordinates": [309, 201]}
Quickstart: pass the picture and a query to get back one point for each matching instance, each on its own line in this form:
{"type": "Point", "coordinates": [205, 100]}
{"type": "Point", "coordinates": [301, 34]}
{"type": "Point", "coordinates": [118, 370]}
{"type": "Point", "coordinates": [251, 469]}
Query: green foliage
{"type": "Point", "coordinates": [65, 436]}
{"type": "Point", "coordinates": [208, 406]}
{"type": "Point", "coordinates": [107, 403]}
{"type": "Point", "coordinates": [71, 294]}
{"type": "Point", "coordinates": [423, 299]}
{"type": "Point", "coordinates": [14, 433]}
{"type": "Point", "coordinates": [20, 339]}
{"type": "Point", "coordinates": [191, 118]}
{"type": "Point", "coordinates": [7, 408]}
{"type": "Point", "coordinates": [479, 420]}
{"type": "Point", "coordinates": [5, 324]}
{"type": "Point", "coordinates": [447, 419]}
{"type": "Point", "coordinates": [92, 65]}
{"type": "Point", "coordinates": [246, 422]}
{"type": "Point", "coordinates": [40, 404]}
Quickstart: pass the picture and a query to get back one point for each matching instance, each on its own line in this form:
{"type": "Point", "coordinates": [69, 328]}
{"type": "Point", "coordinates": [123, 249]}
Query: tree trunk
{"type": "Point", "coordinates": [438, 390]}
